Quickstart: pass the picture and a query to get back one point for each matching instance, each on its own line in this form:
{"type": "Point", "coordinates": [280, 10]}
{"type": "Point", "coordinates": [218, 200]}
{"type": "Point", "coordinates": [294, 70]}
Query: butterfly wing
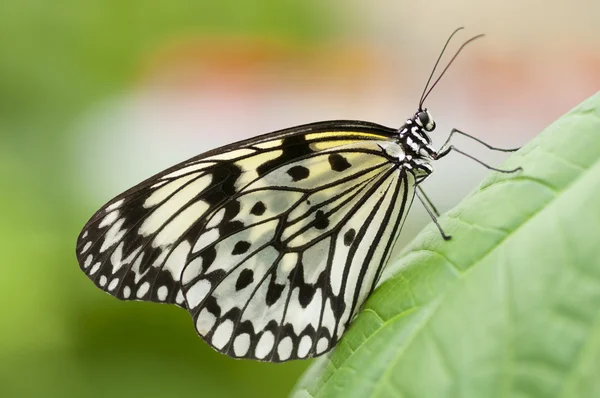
{"type": "Point", "coordinates": [285, 283]}
{"type": "Point", "coordinates": [272, 243]}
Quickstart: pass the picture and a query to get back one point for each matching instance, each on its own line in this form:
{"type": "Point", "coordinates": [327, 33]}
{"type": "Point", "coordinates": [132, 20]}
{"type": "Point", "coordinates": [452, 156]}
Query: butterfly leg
{"type": "Point", "coordinates": [431, 210]}
{"type": "Point", "coordinates": [447, 147]}
{"type": "Point", "coordinates": [429, 202]}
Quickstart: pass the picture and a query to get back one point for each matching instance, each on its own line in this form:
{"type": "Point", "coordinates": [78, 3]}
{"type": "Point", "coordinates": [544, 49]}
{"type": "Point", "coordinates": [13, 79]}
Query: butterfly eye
{"type": "Point", "coordinates": [423, 118]}
{"type": "Point", "coordinates": [426, 120]}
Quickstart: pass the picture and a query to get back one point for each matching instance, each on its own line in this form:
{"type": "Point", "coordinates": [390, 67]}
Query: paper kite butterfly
{"type": "Point", "coordinates": [273, 243]}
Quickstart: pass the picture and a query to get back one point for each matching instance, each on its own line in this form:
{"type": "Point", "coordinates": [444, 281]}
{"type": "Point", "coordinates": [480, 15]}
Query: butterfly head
{"type": "Point", "coordinates": [424, 119]}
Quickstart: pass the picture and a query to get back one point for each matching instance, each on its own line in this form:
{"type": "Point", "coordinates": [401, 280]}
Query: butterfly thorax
{"type": "Point", "coordinates": [414, 139]}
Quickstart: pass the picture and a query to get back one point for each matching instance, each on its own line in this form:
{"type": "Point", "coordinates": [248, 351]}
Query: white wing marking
{"type": "Point", "coordinates": [112, 207]}
{"type": "Point", "coordinates": [268, 144]}
{"type": "Point", "coordinates": [113, 235]}
{"type": "Point", "coordinates": [174, 229]}
{"type": "Point", "coordinates": [205, 322]}
{"type": "Point", "coordinates": [189, 169]}
{"type": "Point", "coordinates": [265, 345]}
{"type": "Point", "coordinates": [86, 247]}
{"type": "Point", "coordinates": [304, 346]}
{"type": "Point", "coordinates": [172, 205]}
{"type": "Point", "coordinates": [206, 239]}
{"type": "Point", "coordinates": [198, 292]}
{"type": "Point", "coordinates": [159, 195]}
{"type": "Point", "coordinates": [162, 293]}
{"type": "Point", "coordinates": [142, 290]}
{"type": "Point", "coordinates": [191, 270]}
{"type": "Point", "coordinates": [176, 260]}
{"type": "Point", "coordinates": [223, 334]}
{"type": "Point", "coordinates": [285, 347]}
{"type": "Point", "coordinates": [322, 345]}
{"type": "Point", "coordinates": [241, 344]}
{"type": "Point", "coordinates": [233, 154]}
{"type": "Point", "coordinates": [216, 219]}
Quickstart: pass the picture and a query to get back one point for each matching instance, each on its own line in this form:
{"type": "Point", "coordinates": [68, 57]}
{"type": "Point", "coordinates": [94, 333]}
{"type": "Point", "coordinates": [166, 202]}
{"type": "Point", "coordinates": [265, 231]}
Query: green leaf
{"type": "Point", "coordinates": [510, 307]}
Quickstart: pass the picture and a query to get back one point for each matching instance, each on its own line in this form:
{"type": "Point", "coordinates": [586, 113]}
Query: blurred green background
{"type": "Point", "coordinates": [97, 95]}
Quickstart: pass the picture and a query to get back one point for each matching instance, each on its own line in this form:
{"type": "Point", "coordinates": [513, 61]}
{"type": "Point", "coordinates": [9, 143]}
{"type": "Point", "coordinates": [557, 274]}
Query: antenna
{"type": "Point", "coordinates": [427, 92]}
{"type": "Point", "coordinates": [436, 64]}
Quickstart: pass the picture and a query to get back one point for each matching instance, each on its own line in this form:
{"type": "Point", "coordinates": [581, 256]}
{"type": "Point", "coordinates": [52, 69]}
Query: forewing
{"type": "Point", "coordinates": [137, 245]}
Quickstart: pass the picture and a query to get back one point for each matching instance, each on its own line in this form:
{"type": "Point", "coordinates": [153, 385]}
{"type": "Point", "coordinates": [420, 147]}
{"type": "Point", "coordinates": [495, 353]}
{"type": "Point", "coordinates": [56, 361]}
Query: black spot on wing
{"type": "Point", "coordinates": [246, 278]}
{"type": "Point", "coordinates": [306, 291]}
{"type": "Point", "coordinates": [338, 306]}
{"type": "Point", "coordinates": [258, 209]}
{"type": "Point", "coordinates": [298, 173]}
{"type": "Point", "coordinates": [274, 293]}
{"type": "Point", "coordinates": [349, 236]}
{"type": "Point", "coordinates": [223, 181]}
{"type": "Point", "coordinates": [208, 256]}
{"type": "Point", "coordinates": [212, 306]}
{"type": "Point", "coordinates": [232, 209]}
{"type": "Point", "coordinates": [230, 228]}
{"type": "Point", "coordinates": [338, 162]}
{"type": "Point", "coordinates": [321, 221]}
{"type": "Point", "coordinates": [215, 277]}
{"type": "Point", "coordinates": [241, 247]}
{"type": "Point", "coordinates": [292, 148]}
{"type": "Point", "coordinates": [151, 254]}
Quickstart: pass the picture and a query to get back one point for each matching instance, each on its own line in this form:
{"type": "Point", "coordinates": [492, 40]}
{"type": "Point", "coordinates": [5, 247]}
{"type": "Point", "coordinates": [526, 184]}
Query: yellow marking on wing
{"type": "Point", "coordinates": [269, 144]}
{"type": "Point", "coordinates": [232, 154]}
{"type": "Point", "coordinates": [322, 145]}
{"type": "Point", "coordinates": [346, 134]}
{"type": "Point", "coordinates": [253, 162]}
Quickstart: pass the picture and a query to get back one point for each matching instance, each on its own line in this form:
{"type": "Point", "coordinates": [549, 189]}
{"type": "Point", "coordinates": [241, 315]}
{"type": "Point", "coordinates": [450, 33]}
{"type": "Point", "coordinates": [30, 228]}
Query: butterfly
{"type": "Point", "coordinates": [272, 244]}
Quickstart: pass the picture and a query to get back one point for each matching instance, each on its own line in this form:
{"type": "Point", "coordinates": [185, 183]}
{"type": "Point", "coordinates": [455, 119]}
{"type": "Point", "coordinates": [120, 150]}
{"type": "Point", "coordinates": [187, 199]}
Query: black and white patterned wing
{"type": "Point", "coordinates": [271, 243]}
{"type": "Point", "coordinates": [306, 245]}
